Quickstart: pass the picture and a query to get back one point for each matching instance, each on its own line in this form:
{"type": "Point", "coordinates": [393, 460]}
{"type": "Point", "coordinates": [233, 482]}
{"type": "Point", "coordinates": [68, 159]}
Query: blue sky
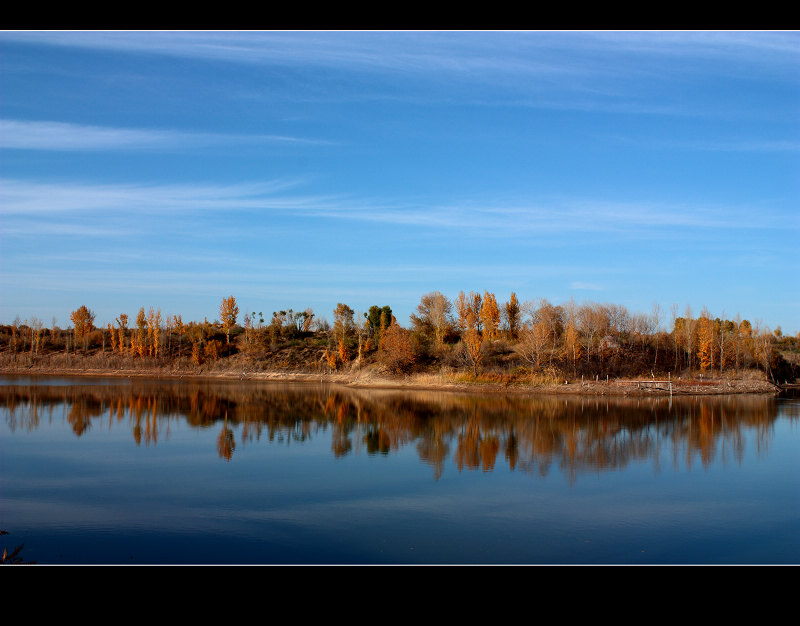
{"type": "Point", "coordinates": [302, 169]}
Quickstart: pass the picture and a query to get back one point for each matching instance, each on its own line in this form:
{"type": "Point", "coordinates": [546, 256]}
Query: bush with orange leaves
{"type": "Point", "coordinates": [398, 352]}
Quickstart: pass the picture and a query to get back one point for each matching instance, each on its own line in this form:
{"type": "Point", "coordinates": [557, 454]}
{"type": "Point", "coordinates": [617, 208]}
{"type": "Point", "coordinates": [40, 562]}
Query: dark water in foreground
{"type": "Point", "coordinates": [134, 472]}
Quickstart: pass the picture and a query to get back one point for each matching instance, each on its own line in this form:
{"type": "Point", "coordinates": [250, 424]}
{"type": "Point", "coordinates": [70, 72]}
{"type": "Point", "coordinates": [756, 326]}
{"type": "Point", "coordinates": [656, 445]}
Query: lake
{"type": "Point", "coordinates": [136, 471]}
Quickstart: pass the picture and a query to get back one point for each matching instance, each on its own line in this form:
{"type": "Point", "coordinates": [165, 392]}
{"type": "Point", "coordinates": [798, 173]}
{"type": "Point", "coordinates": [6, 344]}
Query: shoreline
{"type": "Point", "coordinates": [369, 379]}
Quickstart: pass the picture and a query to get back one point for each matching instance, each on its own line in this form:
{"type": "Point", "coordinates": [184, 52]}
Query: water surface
{"type": "Point", "coordinates": [144, 471]}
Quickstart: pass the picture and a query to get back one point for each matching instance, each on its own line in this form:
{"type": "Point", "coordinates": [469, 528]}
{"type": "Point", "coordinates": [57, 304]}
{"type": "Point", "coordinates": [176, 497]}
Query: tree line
{"type": "Point", "coordinates": [473, 332]}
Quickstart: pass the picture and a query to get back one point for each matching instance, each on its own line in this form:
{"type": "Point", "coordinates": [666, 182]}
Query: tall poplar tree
{"type": "Point", "coordinates": [228, 312]}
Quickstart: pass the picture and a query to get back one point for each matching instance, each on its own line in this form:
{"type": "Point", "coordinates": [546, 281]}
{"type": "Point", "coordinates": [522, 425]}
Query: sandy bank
{"type": "Point", "coordinates": [370, 378]}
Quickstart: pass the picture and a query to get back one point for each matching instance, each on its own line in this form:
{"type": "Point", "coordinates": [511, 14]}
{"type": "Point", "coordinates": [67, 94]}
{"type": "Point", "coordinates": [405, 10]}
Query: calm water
{"type": "Point", "coordinates": [133, 472]}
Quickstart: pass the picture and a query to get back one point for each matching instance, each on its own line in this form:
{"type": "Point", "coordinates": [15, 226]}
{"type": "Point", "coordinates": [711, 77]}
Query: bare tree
{"type": "Point", "coordinates": [434, 312]}
{"type": "Point", "coordinates": [656, 318]}
{"type": "Point", "coordinates": [533, 341]}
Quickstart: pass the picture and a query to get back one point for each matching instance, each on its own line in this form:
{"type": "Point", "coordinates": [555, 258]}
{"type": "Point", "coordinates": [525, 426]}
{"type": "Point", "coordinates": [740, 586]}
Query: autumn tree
{"type": "Point", "coordinates": [83, 321]}
{"type": "Point", "coordinates": [489, 314]}
{"type": "Point", "coordinates": [763, 343]}
{"type": "Point", "coordinates": [362, 328]}
{"type": "Point", "coordinates": [330, 358]}
{"type": "Point", "coordinates": [37, 327]}
{"type": "Point", "coordinates": [511, 313]}
{"type": "Point", "coordinates": [305, 319]}
{"type": "Point", "coordinates": [572, 346]}
{"type": "Point", "coordinates": [687, 332]}
{"type": "Point", "coordinates": [474, 306]}
{"type": "Point", "coordinates": [342, 321]}
{"type": "Point", "coordinates": [745, 328]}
{"type": "Point", "coordinates": [15, 333]}
{"type": "Point", "coordinates": [533, 341]}
{"type": "Point", "coordinates": [397, 349]}
{"type": "Point", "coordinates": [228, 312]}
{"type": "Point", "coordinates": [462, 308]}
{"type": "Point", "coordinates": [342, 328]}
{"type": "Point", "coordinates": [656, 318]}
{"type": "Point", "coordinates": [153, 332]}
{"type": "Point", "coordinates": [122, 323]}
{"type": "Point", "coordinates": [472, 347]}
{"type": "Point", "coordinates": [593, 322]}
{"type": "Point", "coordinates": [468, 309]}
{"type": "Point", "coordinates": [157, 347]}
{"type": "Point", "coordinates": [726, 330]}
{"type": "Point", "coordinates": [140, 343]}
{"type": "Point", "coordinates": [434, 315]}
{"type": "Point", "coordinates": [675, 341]}
{"type": "Point", "coordinates": [248, 330]}
{"type": "Point", "coordinates": [552, 316]}
{"type": "Point", "coordinates": [177, 323]}
{"type": "Point", "coordinates": [211, 349]}
{"type": "Point", "coordinates": [378, 320]}
{"type": "Point", "coordinates": [705, 339]}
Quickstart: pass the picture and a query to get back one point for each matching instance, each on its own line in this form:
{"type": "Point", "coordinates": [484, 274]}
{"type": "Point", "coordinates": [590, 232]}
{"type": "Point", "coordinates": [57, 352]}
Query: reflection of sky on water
{"type": "Point", "coordinates": [102, 496]}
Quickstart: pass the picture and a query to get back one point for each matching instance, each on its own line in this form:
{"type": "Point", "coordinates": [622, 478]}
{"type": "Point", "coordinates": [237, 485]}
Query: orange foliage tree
{"type": "Point", "coordinates": [490, 315]}
{"type": "Point", "coordinates": [342, 327]}
{"type": "Point", "coordinates": [83, 321]}
{"type": "Point", "coordinates": [512, 314]}
{"type": "Point", "coordinates": [473, 348]}
{"type": "Point", "coordinates": [397, 349]}
{"type": "Point", "coordinates": [705, 342]}
{"type": "Point", "coordinates": [122, 323]}
{"type": "Point", "coordinates": [139, 344]}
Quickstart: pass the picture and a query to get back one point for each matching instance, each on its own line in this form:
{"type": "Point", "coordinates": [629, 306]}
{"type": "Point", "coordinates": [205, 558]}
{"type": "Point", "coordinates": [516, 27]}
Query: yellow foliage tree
{"type": "Point", "coordinates": [490, 315]}
{"type": "Point", "coordinates": [151, 331]}
{"type": "Point", "coordinates": [330, 357]}
{"type": "Point", "coordinates": [228, 312]}
{"type": "Point", "coordinates": [157, 332]}
{"type": "Point", "coordinates": [141, 334]}
{"type": "Point", "coordinates": [705, 342]}
{"type": "Point", "coordinates": [177, 323]}
{"type": "Point", "coordinates": [83, 321]}
{"type": "Point", "coordinates": [461, 310]}
{"type": "Point", "coordinates": [343, 322]}
{"type": "Point", "coordinates": [122, 323]}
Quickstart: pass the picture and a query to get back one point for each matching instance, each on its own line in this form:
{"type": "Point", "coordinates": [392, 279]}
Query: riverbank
{"type": "Point", "coordinates": [451, 381]}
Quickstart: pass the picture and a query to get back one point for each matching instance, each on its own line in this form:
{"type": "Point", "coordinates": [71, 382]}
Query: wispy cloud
{"type": "Point", "coordinates": [415, 51]}
{"type": "Point", "coordinates": [23, 203]}
{"type": "Point", "coordinates": [50, 135]}
{"type": "Point", "coordinates": [28, 198]}
{"type": "Point", "coordinates": [573, 70]}
{"type": "Point", "coordinates": [712, 144]}
{"type": "Point", "coordinates": [582, 286]}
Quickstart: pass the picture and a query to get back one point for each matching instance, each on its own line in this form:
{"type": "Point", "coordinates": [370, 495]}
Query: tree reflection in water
{"type": "Point", "coordinates": [475, 432]}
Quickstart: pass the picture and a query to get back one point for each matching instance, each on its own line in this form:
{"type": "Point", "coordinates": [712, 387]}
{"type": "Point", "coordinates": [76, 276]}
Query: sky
{"type": "Point", "coordinates": [297, 169]}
